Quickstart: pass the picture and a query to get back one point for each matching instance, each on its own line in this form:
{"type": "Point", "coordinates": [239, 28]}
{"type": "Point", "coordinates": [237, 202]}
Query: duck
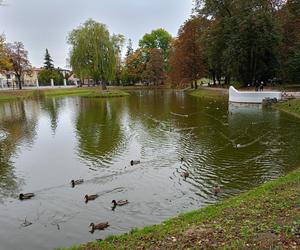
{"type": "Point", "coordinates": [120, 202]}
{"type": "Point", "coordinates": [185, 174]}
{"type": "Point", "coordinates": [26, 196]}
{"type": "Point", "coordinates": [100, 226]}
{"type": "Point", "coordinates": [91, 197]}
{"type": "Point", "coordinates": [217, 189]}
{"type": "Point", "coordinates": [132, 162]}
{"type": "Point", "coordinates": [76, 182]}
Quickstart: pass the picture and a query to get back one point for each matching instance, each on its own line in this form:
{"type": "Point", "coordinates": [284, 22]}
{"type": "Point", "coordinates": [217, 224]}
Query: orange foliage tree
{"type": "Point", "coordinates": [188, 62]}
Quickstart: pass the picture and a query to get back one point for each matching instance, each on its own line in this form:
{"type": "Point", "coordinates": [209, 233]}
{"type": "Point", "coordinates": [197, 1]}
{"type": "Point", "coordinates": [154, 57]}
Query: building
{"type": "Point", "coordinates": [30, 79]}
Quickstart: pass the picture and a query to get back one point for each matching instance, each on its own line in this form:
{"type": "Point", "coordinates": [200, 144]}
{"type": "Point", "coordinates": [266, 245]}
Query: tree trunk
{"type": "Point", "coordinates": [19, 82]}
{"type": "Point", "coordinates": [214, 77]}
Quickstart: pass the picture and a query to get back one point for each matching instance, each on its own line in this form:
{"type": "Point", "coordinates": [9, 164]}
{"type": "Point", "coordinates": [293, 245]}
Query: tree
{"type": "Point", "coordinates": [135, 66]}
{"type": "Point", "coordinates": [5, 63]}
{"type": "Point", "coordinates": [93, 52]}
{"type": "Point", "coordinates": [48, 64]}
{"type": "Point", "coordinates": [154, 69]}
{"type": "Point", "coordinates": [118, 43]}
{"type": "Point", "coordinates": [289, 20]}
{"type": "Point", "coordinates": [188, 61]}
{"type": "Point", "coordinates": [157, 39]}
{"type": "Point", "coordinates": [19, 60]}
{"type": "Point", "coordinates": [129, 48]}
{"type": "Point", "coordinates": [243, 39]}
{"type": "Point", "coordinates": [46, 75]}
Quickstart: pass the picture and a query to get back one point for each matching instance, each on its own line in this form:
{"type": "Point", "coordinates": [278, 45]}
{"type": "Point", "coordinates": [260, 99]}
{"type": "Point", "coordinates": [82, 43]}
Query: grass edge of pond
{"type": "Point", "coordinates": [208, 93]}
{"type": "Point", "coordinates": [291, 107]}
{"type": "Point", "coordinates": [40, 93]}
{"type": "Point", "coordinates": [263, 218]}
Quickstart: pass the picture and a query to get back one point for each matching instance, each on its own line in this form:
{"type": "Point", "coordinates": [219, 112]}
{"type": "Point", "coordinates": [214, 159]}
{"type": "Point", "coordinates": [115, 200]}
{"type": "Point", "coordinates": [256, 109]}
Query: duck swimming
{"type": "Point", "coordinates": [185, 174]}
{"type": "Point", "coordinates": [100, 226]}
{"type": "Point", "coordinates": [132, 162]}
{"type": "Point", "coordinates": [91, 197]}
{"type": "Point", "coordinates": [76, 182]}
{"type": "Point", "coordinates": [217, 189]}
{"type": "Point", "coordinates": [26, 196]}
{"type": "Point", "coordinates": [120, 202]}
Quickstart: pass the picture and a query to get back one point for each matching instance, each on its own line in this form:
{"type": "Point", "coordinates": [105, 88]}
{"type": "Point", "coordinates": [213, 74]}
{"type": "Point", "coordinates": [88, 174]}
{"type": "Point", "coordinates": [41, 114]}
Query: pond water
{"type": "Point", "coordinates": [45, 144]}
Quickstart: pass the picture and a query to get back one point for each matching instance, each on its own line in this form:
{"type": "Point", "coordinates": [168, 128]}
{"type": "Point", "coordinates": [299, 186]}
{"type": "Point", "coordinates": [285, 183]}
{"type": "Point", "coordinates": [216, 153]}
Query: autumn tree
{"type": "Point", "coordinates": [188, 62]}
{"type": "Point", "coordinates": [155, 67]}
{"type": "Point", "coordinates": [5, 63]}
{"type": "Point", "coordinates": [19, 59]}
{"type": "Point", "coordinates": [134, 67]}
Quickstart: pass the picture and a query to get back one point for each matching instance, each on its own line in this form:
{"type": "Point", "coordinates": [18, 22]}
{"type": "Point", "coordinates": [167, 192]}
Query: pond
{"type": "Point", "coordinates": [45, 144]}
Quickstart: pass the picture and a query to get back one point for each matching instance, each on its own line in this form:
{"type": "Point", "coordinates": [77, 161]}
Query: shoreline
{"type": "Point", "coordinates": [291, 107]}
{"type": "Point", "coordinates": [96, 92]}
{"type": "Point", "coordinates": [263, 218]}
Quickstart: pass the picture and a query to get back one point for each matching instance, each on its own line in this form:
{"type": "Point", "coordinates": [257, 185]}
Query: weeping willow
{"type": "Point", "coordinates": [94, 52]}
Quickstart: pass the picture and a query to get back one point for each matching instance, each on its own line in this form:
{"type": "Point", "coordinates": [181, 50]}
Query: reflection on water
{"type": "Point", "coordinates": [45, 144]}
{"type": "Point", "coordinates": [17, 128]}
{"type": "Point", "coordinates": [98, 129]}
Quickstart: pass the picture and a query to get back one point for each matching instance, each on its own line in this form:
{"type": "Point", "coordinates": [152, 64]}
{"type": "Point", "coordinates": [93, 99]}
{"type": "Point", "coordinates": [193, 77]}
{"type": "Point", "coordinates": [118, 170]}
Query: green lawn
{"type": "Point", "coordinates": [209, 93]}
{"type": "Point", "coordinates": [267, 217]}
{"type": "Point", "coordinates": [292, 107]}
{"type": "Point", "coordinates": [39, 93]}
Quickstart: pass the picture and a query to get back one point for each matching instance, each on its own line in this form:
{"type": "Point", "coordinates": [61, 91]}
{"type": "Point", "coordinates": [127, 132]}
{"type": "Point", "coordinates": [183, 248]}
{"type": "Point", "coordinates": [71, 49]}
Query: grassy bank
{"type": "Point", "coordinates": [209, 92]}
{"type": "Point", "coordinates": [267, 217]}
{"type": "Point", "coordinates": [87, 92]}
{"type": "Point", "coordinates": [292, 107]}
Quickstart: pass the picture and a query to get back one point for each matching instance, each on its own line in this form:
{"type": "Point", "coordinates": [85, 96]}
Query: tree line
{"type": "Point", "coordinates": [245, 41]}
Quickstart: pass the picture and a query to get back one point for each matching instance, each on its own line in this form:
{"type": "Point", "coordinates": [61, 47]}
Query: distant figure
{"type": "Point", "coordinates": [261, 87]}
{"type": "Point", "coordinates": [132, 162]}
{"type": "Point", "coordinates": [217, 189]}
{"type": "Point", "coordinates": [182, 159]}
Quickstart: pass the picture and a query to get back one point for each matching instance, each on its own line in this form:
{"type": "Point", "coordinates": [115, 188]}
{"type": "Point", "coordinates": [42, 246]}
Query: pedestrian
{"type": "Point", "coordinates": [261, 88]}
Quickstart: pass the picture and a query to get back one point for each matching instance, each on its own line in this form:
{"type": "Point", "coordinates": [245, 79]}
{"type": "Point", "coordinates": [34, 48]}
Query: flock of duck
{"type": "Point", "coordinates": [101, 226]}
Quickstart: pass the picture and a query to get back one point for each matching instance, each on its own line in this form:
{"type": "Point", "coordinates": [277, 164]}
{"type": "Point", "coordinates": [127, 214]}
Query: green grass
{"type": "Point", "coordinates": [292, 107]}
{"type": "Point", "coordinates": [267, 217]}
{"type": "Point", "coordinates": [207, 93]}
{"type": "Point", "coordinates": [41, 93]}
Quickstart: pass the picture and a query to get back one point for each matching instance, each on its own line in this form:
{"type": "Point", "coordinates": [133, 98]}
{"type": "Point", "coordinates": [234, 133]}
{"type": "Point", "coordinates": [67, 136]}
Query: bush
{"type": "Point", "coordinates": [46, 75]}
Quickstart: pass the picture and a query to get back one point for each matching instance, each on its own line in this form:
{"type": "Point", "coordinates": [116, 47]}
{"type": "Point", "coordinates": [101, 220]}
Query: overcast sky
{"type": "Point", "coordinates": [41, 24]}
